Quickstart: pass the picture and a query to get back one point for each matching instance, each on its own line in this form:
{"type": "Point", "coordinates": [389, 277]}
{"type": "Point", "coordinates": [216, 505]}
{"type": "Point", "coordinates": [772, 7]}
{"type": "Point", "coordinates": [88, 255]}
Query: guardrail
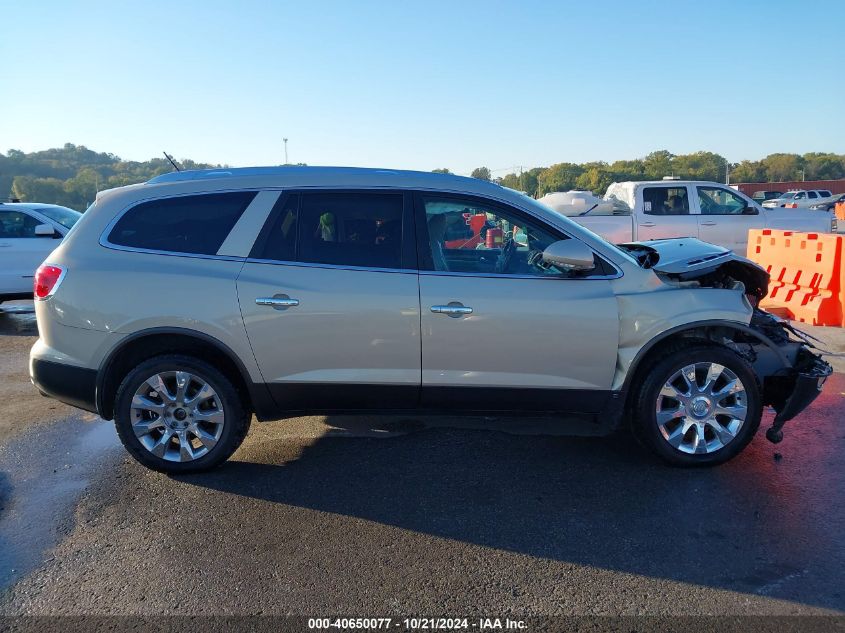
{"type": "Point", "coordinates": [807, 279]}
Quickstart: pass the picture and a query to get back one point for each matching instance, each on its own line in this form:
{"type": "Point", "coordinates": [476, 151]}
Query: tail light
{"type": "Point", "coordinates": [47, 280]}
{"type": "Point", "coordinates": [791, 205]}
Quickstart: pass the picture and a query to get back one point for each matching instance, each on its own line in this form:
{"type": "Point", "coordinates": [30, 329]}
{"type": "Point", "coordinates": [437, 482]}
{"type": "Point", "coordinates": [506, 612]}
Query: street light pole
{"type": "Point", "coordinates": [286, 150]}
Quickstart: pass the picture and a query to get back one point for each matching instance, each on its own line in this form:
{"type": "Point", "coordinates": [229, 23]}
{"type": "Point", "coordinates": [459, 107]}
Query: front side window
{"type": "Point", "coordinates": [465, 236]}
{"type": "Point", "coordinates": [665, 201]}
{"type": "Point", "coordinates": [184, 224]}
{"type": "Point", "coordinates": [719, 201]}
{"type": "Point", "coordinates": [351, 229]}
{"type": "Point", "coordinates": [800, 195]}
{"type": "Point", "coordinates": [16, 224]}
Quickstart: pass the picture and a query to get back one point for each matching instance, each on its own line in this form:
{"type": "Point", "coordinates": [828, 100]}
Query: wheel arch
{"type": "Point", "coordinates": [690, 333]}
{"type": "Point", "coordinates": [146, 344]}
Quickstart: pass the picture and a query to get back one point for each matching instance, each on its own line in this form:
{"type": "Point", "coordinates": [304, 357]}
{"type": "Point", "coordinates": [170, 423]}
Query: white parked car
{"type": "Point", "coordinates": [28, 233]}
{"type": "Point", "coordinates": [709, 211]}
{"type": "Point", "coordinates": [799, 199]}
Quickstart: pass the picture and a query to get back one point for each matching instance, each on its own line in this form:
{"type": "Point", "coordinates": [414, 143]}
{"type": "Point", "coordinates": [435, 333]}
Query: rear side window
{"type": "Point", "coordinates": [665, 201]}
{"type": "Point", "coordinates": [351, 229]}
{"type": "Point", "coordinates": [279, 242]}
{"type": "Point", "coordinates": [183, 224]}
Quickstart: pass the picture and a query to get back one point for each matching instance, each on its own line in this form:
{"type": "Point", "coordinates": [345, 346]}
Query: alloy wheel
{"type": "Point", "coordinates": [701, 408]}
{"type": "Point", "coordinates": [177, 416]}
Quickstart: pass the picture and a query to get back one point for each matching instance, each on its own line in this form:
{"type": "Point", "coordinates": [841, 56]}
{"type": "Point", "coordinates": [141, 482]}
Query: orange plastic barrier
{"type": "Point", "coordinates": [807, 280]}
{"type": "Point", "coordinates": [839, 211]}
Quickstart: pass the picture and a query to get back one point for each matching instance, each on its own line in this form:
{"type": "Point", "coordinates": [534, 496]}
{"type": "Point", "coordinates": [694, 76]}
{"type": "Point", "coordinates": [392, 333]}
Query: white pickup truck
{"type": "Point", "coordinates": [712, 212]}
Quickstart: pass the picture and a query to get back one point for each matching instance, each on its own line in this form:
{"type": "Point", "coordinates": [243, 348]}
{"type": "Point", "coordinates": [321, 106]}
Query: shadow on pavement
{"type": "Point", "coordinates": [17, 324]}
{"type": "Point", "coordinates": [755, 525]}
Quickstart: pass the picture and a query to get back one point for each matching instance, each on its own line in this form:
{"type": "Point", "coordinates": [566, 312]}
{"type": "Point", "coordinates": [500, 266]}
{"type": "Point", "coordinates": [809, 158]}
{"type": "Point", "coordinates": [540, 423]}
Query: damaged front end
{"type": "Point", "coordinates": [790, 389]}
{"type": "Point", "coordinates": [789, 366]}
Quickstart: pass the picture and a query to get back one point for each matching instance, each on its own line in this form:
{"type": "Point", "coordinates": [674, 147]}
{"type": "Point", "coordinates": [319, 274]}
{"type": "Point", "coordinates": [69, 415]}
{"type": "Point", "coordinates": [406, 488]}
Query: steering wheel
{"type": "Point", "coordinates": [505, 256]}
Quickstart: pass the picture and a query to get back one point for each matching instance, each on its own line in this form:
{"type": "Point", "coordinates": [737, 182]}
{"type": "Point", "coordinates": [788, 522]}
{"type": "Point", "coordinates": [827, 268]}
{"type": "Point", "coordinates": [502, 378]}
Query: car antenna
{"type": "Point", "coordinates": [172, 162]}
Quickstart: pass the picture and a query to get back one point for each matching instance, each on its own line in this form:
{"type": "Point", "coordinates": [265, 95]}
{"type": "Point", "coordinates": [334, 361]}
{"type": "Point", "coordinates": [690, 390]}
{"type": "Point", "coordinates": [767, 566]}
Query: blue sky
{"type": "Point", "coordinates": [426, 84]}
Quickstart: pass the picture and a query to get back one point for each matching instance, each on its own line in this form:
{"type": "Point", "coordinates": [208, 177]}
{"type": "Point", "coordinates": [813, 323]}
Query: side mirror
{"type": "Point", "coordinates": [750, 210]}
{"type": "Point", "coordinates": [570, 255]}
{"type": "Point", "coordinates": [45, 230]}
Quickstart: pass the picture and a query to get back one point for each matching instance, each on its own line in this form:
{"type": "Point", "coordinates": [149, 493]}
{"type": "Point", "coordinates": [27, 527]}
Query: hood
{"type": "Point", "coordinates": [690, 259]}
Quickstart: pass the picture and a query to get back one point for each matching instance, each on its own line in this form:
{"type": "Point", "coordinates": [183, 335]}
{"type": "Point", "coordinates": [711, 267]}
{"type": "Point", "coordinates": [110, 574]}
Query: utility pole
{"type": "Point", "coordinates": [727, 172]}
{"type": "Point", "coordinates": [286, 150]}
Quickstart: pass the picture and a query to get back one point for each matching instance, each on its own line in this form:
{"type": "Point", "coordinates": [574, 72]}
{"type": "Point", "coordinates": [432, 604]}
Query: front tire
{"type": "Point", "coordinates": [178, 414]}
{"type": "Point", "coordinates": [698, 406]}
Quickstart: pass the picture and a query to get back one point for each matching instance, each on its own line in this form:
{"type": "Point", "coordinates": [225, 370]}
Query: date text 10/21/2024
{"type": "Point", "coordinates": [417, 624]}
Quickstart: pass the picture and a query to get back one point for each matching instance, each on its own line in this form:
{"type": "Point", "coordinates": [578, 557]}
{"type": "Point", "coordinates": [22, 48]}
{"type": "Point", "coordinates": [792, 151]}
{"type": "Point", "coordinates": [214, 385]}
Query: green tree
{"type": "Point", "coordinates": [821, 166]}
{"type": "Point", "coordinates": [71, 175]}
{"type": "Point", "coordinates": [509, 180]}
{"type": "Point", "coordinates": [700, 166]}
{"type": "Point", "coordinates": [748, 171]}
{"type": "Point", "coordinates": [560, 177]}
{"type": "Point", "coordinates": [529, 181]}
{"type": "Point", "coordinates": [595, 179]}
{"type": "Point", "coordinates": [482, 173]}
{"type": "Point", "coordinates": [628, 169]}
{"type": "Point", "coordinates": [440, 170]}
{"type": "Point", "coordinates": [31, 189]}
{"type": "Point", "coordinates": [781, 167]}
{"type": "Point", "coordinates": [658, 164]}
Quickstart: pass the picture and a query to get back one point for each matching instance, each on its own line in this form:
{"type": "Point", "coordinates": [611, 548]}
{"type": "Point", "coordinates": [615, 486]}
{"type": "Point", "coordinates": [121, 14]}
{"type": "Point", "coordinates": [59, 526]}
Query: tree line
{"type": "Point", "coordinates": [596, 176]}
{"type": "Point", "coordinates": [72, 175]}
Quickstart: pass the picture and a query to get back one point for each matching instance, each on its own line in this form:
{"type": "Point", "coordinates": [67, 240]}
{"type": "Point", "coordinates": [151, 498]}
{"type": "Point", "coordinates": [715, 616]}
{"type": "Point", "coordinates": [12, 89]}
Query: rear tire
{"type": "Point", "coordinates": [698, 406]}
{"type": "Point", "coordinates": [178, 414]}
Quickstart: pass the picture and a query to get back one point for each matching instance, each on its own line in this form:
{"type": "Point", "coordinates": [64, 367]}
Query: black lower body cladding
{"type": "Point", "coordinates": [75, 386]}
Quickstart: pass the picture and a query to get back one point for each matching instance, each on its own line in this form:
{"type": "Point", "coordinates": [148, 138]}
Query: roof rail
{"type": "Point", "coordinates": [236, 172]}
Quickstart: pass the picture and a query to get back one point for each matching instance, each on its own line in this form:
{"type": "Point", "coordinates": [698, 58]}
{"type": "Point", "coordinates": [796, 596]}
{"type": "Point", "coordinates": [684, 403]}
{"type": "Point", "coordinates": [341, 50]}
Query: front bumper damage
{"type": "Point", "coordinates": [798, 382]}
{"type": "Point", "coordinates": [806, 387]}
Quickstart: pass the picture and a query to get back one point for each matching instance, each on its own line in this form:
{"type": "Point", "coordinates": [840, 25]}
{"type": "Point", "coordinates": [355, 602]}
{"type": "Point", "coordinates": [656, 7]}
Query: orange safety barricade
{"type": "Point", "coordinates": [839, 210]}
{"type": "Point", "coordinates": [807, 281]}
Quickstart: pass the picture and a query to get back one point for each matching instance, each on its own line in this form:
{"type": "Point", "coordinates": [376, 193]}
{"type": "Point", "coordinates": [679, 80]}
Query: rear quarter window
{"type": "Point", "coordinates": [195, 224]}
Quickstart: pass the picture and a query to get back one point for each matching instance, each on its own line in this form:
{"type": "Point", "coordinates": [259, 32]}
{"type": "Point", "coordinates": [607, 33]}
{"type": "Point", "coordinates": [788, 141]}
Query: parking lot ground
{"type": "Point", "coordinates": [403, 516]}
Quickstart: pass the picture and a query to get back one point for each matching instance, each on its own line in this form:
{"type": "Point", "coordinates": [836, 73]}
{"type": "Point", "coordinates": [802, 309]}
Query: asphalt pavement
{"type": "Point", "coordinates": [346, 515]}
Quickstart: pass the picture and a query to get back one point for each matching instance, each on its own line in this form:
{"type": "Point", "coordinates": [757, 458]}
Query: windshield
{"type": "Point", "coordinates": [64, 216]}
{"type": "Point", "coordinates": [788, 196]}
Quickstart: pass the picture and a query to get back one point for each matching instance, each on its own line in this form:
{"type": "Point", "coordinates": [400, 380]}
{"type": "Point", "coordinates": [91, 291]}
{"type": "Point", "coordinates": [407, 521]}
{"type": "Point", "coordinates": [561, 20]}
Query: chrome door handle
{"type": "Point", "coordinates": [453, 309]}
{"type": "Point", "coordinates": [708, 224]}
{"type": "Point", "coordinates": [277, 302]}
{"type": "Point", "coordinates": [646, 223]}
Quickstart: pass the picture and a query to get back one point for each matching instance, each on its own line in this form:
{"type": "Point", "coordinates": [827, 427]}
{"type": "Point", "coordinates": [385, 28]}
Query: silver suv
{"type": "Point", "coordinates": [182, 306]}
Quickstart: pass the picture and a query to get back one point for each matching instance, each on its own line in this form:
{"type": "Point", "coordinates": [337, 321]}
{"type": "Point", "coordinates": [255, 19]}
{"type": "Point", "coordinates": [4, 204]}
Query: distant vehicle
{"type": "Point", "coordinates": [799, 199]}
{"type": "Point", "coordinates": [712, 212]}
{"type": "Point", "coordinates": [27, 235]}
{"type": "Point", "coordinates": [827, 204]}
{"type": "Point", "coordinates": [761, 196]}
